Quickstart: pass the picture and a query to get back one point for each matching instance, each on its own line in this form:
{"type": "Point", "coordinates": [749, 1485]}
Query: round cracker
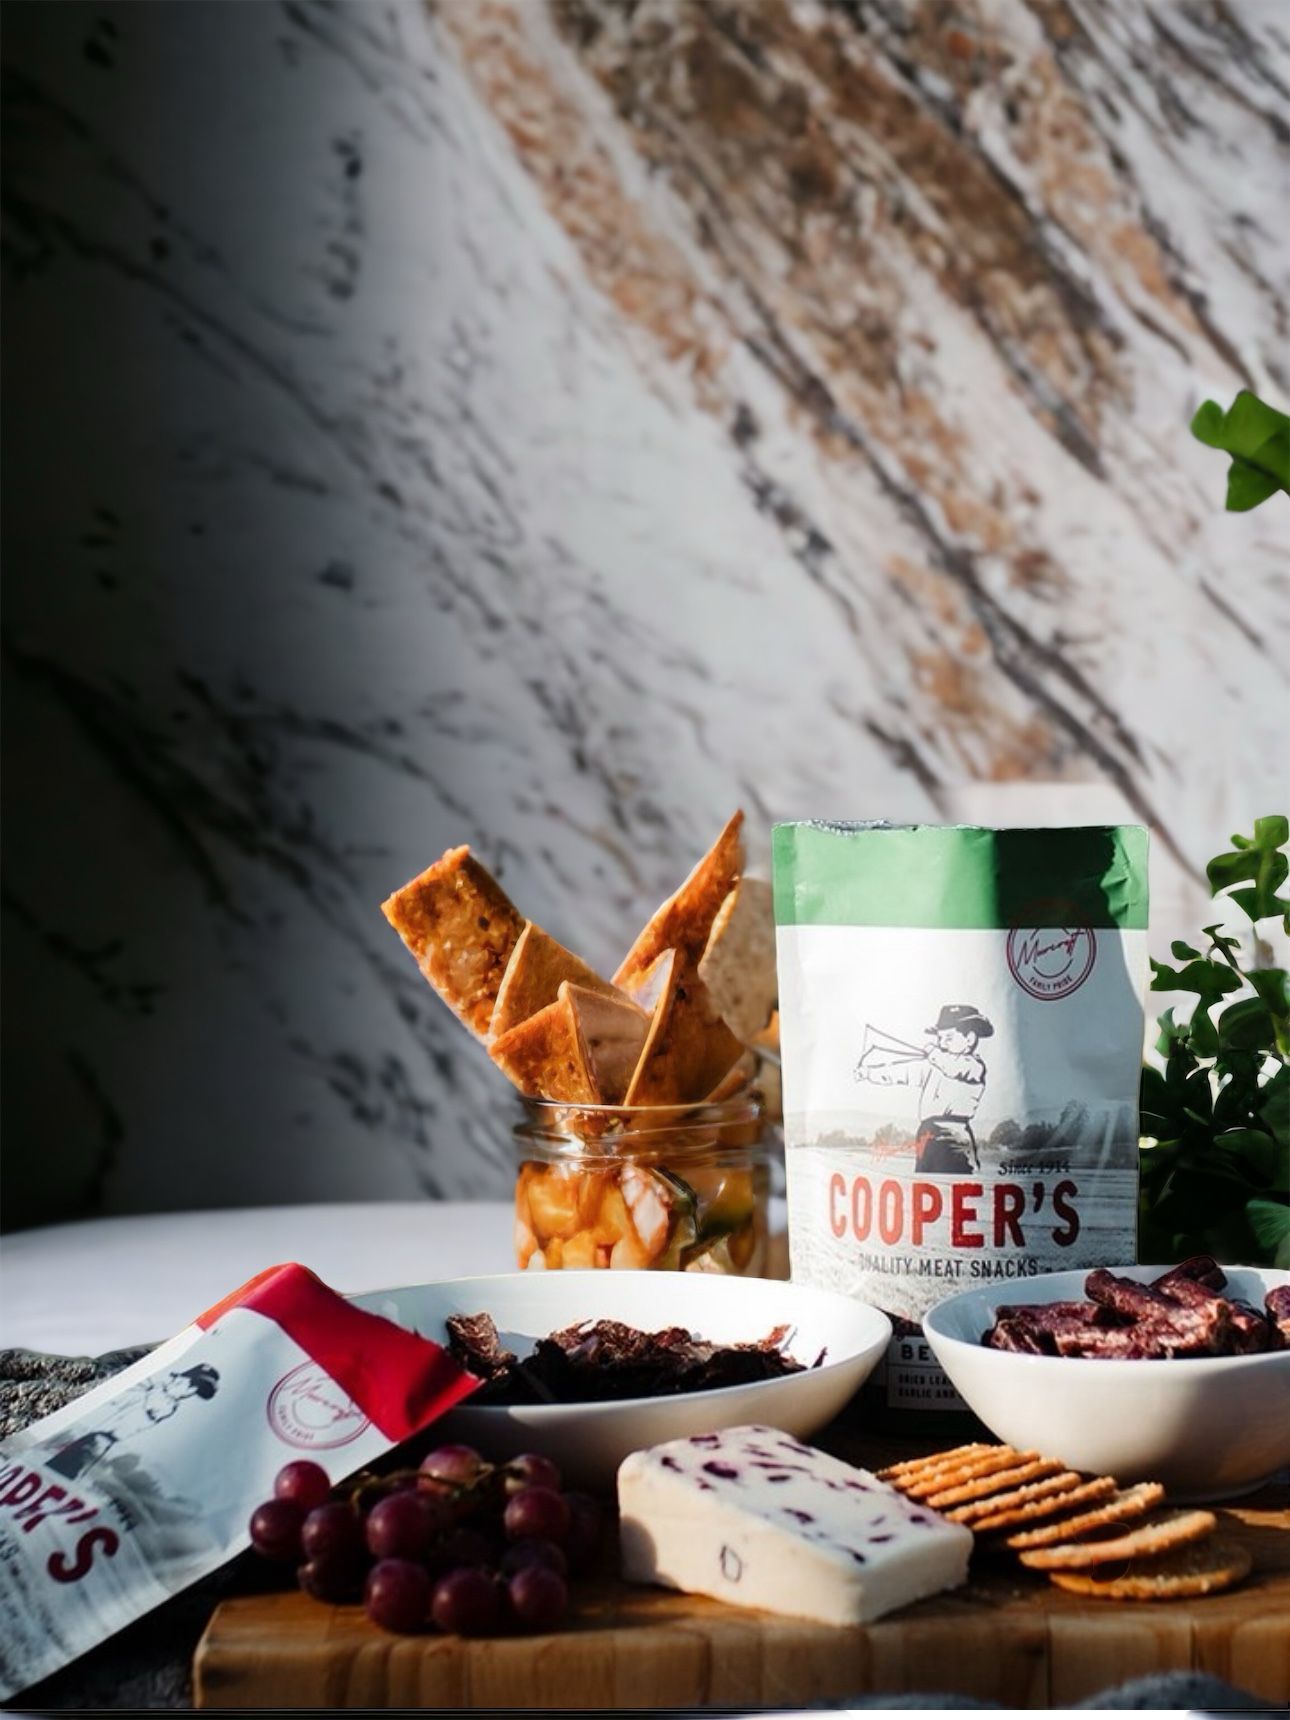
{"type": "Point", "coordinates": [970, 1469]}
{"type": "Point", "coordinates": [1044, 1499]}
{"type": "Point", "coordinates": [1065, 1481]}
{"type": "Point", "coordinates": [913, 1465]}
{"type": "Point", "coordinates": [1159, 1533]}
{"type": "Point", "coordinates": [1201, 1569]}
{"type": "Point", "coordinates": [1115, 1508]}
{"type": "Point", "coordinates": [1001, 1481]}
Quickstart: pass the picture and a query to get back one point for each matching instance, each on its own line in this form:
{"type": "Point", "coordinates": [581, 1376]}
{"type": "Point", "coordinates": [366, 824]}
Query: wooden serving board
{"type": "Point", "coordinates": [1008, 1637]}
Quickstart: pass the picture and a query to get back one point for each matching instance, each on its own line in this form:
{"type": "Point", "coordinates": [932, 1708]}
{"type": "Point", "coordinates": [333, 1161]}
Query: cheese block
{"type": "Point", "coordinates": [755, 1518]}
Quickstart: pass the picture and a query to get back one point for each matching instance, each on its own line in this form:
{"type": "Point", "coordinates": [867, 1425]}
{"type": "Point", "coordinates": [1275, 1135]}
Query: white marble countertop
{"type": "Point", "coordinates": [81, 1289]}
{"type": "Point", "coordinates": [110, 1283]}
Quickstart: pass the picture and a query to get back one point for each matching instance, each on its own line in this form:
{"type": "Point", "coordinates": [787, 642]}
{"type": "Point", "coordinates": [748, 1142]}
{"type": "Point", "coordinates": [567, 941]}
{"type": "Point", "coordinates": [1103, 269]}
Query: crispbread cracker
{"type": "Point", "coordinates": [1002, 1481]}
{"type": "Point", "coordinates": [684, 921]}
{"type": "Point", "coordinates": [1042, 1496]}
{"type": "Point", "coordinates": [733, 1081]}
{"type": "Point", "coordinates": [895, 1472]}
{"type": "Point", "coordinates": [1116, 1508]}
{"type": "Point", "coordinates": [1160, 1532]}
{"type": "Point", "coordinates": [689, 1048]}
{"type": "Point", "coordinates": [1199, 1569]}
{"type": "Point", "coordinates": [611, 1037]}
{"type": "Point", "coordinates": [943, 1476]}
{"type": "Point", "coordinates": [543, 1056]}
{"type": "Point", "coordinates": [534, 974]}
{"type": "Point", "coordinates": [738, 961]}
{"type": "Point", "coordinates": [462, 927]}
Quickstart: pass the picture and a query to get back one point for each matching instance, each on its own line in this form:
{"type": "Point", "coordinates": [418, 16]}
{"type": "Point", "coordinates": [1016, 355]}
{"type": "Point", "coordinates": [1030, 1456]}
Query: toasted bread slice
{"type": "Point", "coordinates": [684, 922]}
{"type": "Point", "coordinates": [462, 927]}
{"type": "Point", "coordinates": [538, 967]}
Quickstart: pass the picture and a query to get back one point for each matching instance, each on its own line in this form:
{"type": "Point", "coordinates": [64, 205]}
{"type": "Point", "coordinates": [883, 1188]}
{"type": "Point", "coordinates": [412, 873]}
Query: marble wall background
{"type": "Point", "coordinates": [547, 425]}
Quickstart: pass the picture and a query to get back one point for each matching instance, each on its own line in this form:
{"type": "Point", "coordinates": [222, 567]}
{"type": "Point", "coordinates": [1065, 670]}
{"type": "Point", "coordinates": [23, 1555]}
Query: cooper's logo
{"type": "Point", "coordinates": [309, 1410]}
{"type": "Point", "coordinates": [1051, 961]}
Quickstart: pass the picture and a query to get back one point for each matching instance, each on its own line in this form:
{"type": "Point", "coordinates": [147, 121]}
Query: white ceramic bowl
{"type": "Point", "coordinates": [1208, 1428]}
{"type": "Point", "coordinates": [589, 1441]}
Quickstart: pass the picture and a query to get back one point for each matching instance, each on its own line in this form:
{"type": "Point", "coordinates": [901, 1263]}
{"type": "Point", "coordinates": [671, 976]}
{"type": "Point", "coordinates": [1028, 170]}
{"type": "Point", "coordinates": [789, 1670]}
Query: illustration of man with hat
{"type": "Point", "coordinates": [135, 1412]}
{"type": "Point", "coordinates": [952, 1077]}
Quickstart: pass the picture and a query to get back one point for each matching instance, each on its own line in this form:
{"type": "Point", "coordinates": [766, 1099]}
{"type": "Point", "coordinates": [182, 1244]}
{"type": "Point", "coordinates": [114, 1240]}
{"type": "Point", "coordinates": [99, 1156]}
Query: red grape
{"type": "Point", "coordinates": [539, 1597]}
{"type": "Point", "coordinates": [397, 1595]}
{"type": "Point", "coordinates": [332, 1580]}
{"type": "Point", "coordinates": [275, 1529]}
{"type": "Point", "coordinates": [466, 1547]}
{"type": "Point", "coordinates": [531, 1470]}
{"type": "Point", "coordinates": [536, 1513]}
{"type": "Point", "coordinates": [402, 1525]}
{"type": "Point", "coordinates": [458, 1464]}
{"type": "Point", "coordinates": [522, 1554]}
{"type": "Point", "coordinates": [583, 1539]}
{"type": "Point", "coordinates": [303, 1482]}
{"type": "Point", "coordinates": [465, 1603]}
{"type": "Point", "coordinates": [334, 1532]}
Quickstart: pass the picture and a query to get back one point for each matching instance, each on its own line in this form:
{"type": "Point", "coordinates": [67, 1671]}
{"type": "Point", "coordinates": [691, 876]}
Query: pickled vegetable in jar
{"type": "Point", "coordinates": [651, 1187]}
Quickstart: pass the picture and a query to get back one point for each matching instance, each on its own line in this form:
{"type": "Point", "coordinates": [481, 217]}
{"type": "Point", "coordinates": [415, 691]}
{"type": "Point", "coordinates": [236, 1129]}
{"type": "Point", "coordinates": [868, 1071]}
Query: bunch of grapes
{"type": "Point", "coordinates": [469, 1547]}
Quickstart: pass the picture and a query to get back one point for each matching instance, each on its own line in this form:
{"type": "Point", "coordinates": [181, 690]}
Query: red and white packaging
{"type": "Point", "coordinates": [147, 1483]}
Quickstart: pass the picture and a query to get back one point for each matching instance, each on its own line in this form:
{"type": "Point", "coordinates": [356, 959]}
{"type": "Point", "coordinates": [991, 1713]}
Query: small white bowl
{"type": "Point", "coordinates": [590, 1440]}
{"type": "Point", "coordinates": [1207, 1427]}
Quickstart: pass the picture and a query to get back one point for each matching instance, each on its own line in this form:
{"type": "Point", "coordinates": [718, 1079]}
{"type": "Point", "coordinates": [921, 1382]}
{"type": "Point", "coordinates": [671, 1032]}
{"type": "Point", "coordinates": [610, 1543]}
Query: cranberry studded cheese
{"type": "Point", "coordinates": [757, 1519]}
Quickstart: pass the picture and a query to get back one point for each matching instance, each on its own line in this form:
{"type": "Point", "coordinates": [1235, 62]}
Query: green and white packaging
{"type": "Point", "coordinates": [961, 1026]}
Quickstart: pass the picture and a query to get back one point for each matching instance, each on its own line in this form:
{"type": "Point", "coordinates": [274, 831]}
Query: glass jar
{"type": "Point", "coordinates": [647, 1187]}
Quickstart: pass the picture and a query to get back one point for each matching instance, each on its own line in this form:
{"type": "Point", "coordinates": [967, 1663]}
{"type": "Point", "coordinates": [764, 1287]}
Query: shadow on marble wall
{"type": "Point", "coordinates": [548, 425]}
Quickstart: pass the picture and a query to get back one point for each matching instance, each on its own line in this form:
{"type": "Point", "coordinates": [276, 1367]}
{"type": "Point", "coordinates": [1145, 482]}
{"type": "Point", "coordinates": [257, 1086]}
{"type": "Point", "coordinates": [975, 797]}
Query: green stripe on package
{"type": "Point", "coordinates": [961, 1026]}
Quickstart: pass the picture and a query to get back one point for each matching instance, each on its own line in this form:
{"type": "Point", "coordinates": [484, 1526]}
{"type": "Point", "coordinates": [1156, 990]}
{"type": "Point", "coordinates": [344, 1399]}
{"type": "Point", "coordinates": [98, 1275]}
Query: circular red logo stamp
{"type": "Point", "coordinates": [1051, 961]}
{"type": "Point", "coordinates": [309, 1410]}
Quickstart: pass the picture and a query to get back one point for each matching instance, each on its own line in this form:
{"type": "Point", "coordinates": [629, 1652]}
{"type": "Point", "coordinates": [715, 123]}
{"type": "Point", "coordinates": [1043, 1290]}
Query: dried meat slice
{"type": "Point", "coordinates": [1277, 1303]}
{"type": "Point", "coordinates": [1247, 1330]}
{"type": "Point", "coordinates": [1200, 1269]}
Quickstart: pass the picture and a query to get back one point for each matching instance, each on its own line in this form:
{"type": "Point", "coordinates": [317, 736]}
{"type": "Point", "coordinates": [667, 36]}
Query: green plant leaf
{"type": "Point", "coordinates": [1257, 437]}
{"type": "Point", "coordinates": [1246, 425]}
{"type": "Point", "coordinates": [1262, 863]}
{"type": "Point", "coordinates": [1273, 986]}
{"type": "Point", "coordinates": [1207, 979]}
{"type": "Point", "coordinates": [1246, 1025]}
{"type": "Point", "coordinates": [1270, 1222]}
{"type": "Point", "coordinates": [1183, 952]}
{"type": "Point", "coordinates": [1255, 1156]}
{"type": "Point", "coordinates": [1247, 487]}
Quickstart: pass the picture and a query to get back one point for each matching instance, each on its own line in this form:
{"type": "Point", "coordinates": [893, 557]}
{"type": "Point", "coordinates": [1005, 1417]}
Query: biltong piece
{"type": "Point", "coordinates": [606, 1360]}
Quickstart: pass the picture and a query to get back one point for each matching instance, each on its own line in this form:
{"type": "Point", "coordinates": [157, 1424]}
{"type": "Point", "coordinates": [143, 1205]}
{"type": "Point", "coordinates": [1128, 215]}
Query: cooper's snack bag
{"type": "Point", "coordinates": [146, 1483]}
{"type": "Point", "coordinates": [961, 1027]}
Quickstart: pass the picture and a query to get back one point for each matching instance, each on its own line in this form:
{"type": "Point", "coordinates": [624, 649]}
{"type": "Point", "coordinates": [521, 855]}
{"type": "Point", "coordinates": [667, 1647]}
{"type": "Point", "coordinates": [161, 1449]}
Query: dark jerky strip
{"type": "Point", "coordinates": [1024, 1339]}
{"type": "Point", "coordinates": [607, 1360]}
{"type": "Point", "coordinates": [1277, 1303]}
{"type": "Point", "coordinates": [1195, 1327]}
{"type": "Point", "coordinates": [1147, 1340]}
{"type": "Point", "coordinates": [1248, 1330]}
{"type": "Point", "coordinates": [1043, 1315]}
{"type": "Point", "coordinates": [1200, 1269]}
